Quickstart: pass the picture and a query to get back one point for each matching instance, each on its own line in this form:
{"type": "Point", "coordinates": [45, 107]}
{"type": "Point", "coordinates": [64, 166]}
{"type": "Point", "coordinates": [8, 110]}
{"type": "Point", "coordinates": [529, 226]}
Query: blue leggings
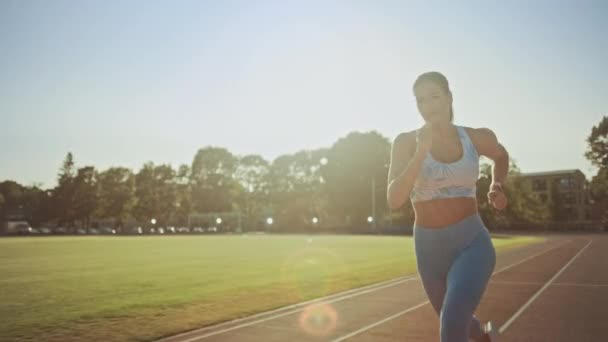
{"type": "Point", "coordinates": [455, 263]}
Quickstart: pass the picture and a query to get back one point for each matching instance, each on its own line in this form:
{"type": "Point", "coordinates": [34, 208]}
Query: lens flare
{"type": "Point", "coordinates": [318, 320]}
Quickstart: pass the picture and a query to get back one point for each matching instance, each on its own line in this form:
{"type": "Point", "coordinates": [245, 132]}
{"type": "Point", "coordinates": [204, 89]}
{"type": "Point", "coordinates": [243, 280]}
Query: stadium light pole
{"type": "Point", "coordinates": [247, 206]}
{"type": "Point", "coordinates": [322, 162]}
{"type": "Point", "coordinates": [373, 222]}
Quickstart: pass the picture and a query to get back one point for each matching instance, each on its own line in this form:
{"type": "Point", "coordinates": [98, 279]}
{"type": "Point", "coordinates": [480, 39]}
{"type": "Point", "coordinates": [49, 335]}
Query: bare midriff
{"type": "Point", "coordinates": [439, 213]}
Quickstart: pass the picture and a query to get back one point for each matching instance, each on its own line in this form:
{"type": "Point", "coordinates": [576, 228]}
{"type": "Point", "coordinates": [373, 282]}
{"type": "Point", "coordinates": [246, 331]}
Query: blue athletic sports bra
{"type": "Point", "coordinates": [445, 180]}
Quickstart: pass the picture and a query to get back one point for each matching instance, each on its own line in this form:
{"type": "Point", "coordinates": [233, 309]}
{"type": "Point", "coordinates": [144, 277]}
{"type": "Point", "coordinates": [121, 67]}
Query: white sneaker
{"type": "Point", "coordinates": [492, 333]}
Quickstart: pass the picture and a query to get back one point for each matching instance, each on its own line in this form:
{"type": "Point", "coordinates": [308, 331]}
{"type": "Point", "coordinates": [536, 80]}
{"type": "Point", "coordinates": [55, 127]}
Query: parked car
{"type": "Point", "coordinates": [60, 230]}
{"type": "Point", "coordinates": [45, 230]}
{"type": "Point", "coordinates": [24, 229]}
{"type": "Point", "coordinates": [107, 230]}
{"type": "Point", "coordinates": [18, 227]}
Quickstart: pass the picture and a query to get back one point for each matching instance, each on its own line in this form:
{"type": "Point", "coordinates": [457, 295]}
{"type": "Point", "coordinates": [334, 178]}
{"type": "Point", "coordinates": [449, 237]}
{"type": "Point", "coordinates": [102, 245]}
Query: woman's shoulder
{"type": "Point", "coordinates": [483, 139]}
{"type": "Point", "coordinates": [404, 142]}
{"type": "Point", "coordinates": [481, 133]}
{"type": "Point", "coordinates": [405, 138]}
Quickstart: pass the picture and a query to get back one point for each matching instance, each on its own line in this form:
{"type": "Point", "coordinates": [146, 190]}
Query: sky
{"type": "Point", "coordinates": [120, 83]}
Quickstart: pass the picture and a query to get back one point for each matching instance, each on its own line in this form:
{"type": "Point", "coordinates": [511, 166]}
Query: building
{"type": "Point", "coordinates": [9, 216]}
{"type": "Point", "coordinates": [566, 191]}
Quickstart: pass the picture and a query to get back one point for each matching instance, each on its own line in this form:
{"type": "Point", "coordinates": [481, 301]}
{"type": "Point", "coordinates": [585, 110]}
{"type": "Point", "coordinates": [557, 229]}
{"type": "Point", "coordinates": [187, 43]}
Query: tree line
{"type": "Point", "coordinates": [341, 187]}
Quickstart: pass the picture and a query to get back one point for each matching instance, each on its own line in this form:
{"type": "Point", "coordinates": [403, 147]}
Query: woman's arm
{"type": "Point", "coordinates": [404, 167]}
{"type": "Point", "coordinates": [487, 145]}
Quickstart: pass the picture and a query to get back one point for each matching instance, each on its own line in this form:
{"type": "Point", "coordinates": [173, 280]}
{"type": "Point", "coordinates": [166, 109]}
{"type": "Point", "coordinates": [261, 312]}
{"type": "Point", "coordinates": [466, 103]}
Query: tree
{"type": "Point", "coordinates": [252, 174]}
{"type": "Point", "coordinates": [116, 194]}
{"type": "Point", "coordinates": [146, 206]}
{"type": "Point", "coordinates": [20, 202]}
{"type": "Point", "coordinates": [212, 179]}
{"type": "Point", "coordinates": [12, 194]}
{"type": "Point", "coordinates": [64, 192]}
{"type": "Point", "coordinates": [166, 192]}
{"type": "Point", "coordinates": [156, 193]}
{"type": "Point", "coordinates": [67, 171]}
{"type": "Point", "coordinates": [45, 212]}
{"type": "Point", "coordinates": [355, 164]}
{"type": "Point", "coordinates": [289, 214]}
{"type": "Point", "coordinates": [597, 151]}
{"type": "Point", "coordinates": [599, 196]}
{"type": "Point", "coordinates": [183, 195]}
{"type": "Point", "coordinates": [35, 204]}
{"type": "Point", "coordinates": [523, 208]}
{"type": "Point", "coordinates": [297, 190]}
{"type": "Point", "coordinates": [86, 194]}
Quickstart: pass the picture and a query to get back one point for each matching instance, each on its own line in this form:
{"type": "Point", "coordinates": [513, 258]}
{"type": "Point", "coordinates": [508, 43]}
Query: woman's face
{"type": "Point", "coordinates": [433, 102]}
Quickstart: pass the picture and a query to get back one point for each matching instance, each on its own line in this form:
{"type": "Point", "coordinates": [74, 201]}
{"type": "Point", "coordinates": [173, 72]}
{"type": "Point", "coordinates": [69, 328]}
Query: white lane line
{"type": "Point", "coordinates": [367, 327]}
{"type": "Point", "coordinates": [396, 281]}
{"type": "Point", "coordinates": [300, 308]}
{"type": "Point", "coordinates": [579, 285]}
{"type": "Point", "coordinates": [531, 257]}
{"type": "Point", "coordinates": [538, 293]}
{"type": "Point", "coordinates": [504, 282]}
{"type": "Point", "coordinates": [523, 283]}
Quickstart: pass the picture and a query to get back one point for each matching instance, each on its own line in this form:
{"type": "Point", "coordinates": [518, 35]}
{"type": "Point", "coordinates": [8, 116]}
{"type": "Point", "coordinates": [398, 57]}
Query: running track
{"type": "Point", "coordinates": [556, 290]}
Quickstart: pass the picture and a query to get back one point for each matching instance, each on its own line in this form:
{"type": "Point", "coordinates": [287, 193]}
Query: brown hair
{"type": "Point", "coordinates": [437, 78]}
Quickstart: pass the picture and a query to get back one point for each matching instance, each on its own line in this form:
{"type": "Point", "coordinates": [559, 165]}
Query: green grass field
{"type": "Point", "coordinates": [142, 288]}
